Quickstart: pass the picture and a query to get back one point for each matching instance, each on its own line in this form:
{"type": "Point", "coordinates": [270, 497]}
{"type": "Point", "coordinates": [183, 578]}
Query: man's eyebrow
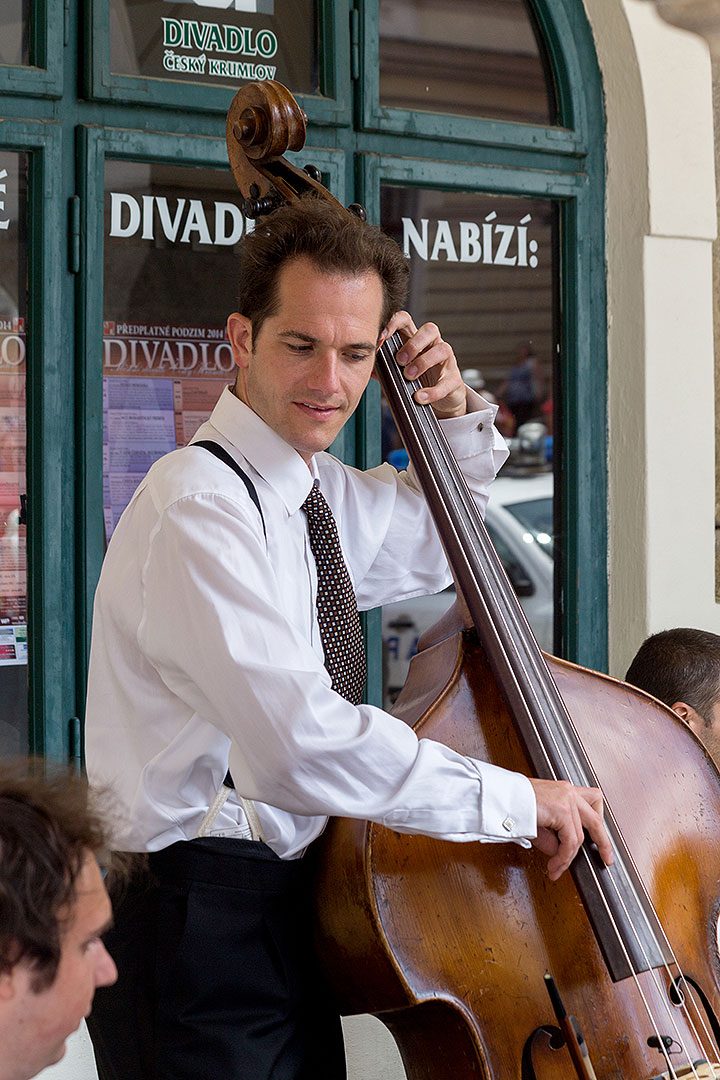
{"type": "Point", "coordinates": [107, 925]}
{"type": "Point", "coordinates": [297, 334]}
{"type": "Point", "coordinates": [369, 346]}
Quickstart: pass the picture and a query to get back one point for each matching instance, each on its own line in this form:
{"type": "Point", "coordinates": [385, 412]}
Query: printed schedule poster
{"type": "Point", "coordinates": [13, 554]}
{"type": "Point", "coordinates": [160, 384]}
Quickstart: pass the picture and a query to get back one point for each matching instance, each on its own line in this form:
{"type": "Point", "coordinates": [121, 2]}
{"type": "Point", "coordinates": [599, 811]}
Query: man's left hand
{"type": "Point", "coordinates": [425, 353]}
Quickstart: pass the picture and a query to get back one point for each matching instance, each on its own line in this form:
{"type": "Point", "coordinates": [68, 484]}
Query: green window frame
{"type": "Point", "coordinates": [331, 106]}
{"type": "Point", "coordinates": [50, 421]}
{"type": "Point", "coordinates": [49, 33]}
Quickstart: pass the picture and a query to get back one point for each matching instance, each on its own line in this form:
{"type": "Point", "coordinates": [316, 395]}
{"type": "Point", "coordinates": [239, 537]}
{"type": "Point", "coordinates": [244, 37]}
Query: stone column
{"type": "Point", "coordinates": [700, 16]}
{"type": "Point", "coordinates": [703, 17]}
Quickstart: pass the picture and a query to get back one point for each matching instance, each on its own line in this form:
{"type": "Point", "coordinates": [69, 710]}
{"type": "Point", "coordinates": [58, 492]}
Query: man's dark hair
{"type": "Point", "coordinates": [335, 240]}
{"type": "Point", "coordinates": [48, 825]}
{"type": "Point", "coordinates": [680, 665]}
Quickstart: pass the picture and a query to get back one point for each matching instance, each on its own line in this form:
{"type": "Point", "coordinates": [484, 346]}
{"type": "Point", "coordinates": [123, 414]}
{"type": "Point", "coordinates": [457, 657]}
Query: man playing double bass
{"type": "Point", "coordinates": [226, 635]}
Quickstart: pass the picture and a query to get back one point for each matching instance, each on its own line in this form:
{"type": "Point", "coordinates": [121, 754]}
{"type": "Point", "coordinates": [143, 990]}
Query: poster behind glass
{"type": "Point", "coordinates": [169, 285]}
{"type": "Point", "coordinates": [15, 32]}
{"type": "Point", "coordinates": [483, 267]}
{"type": "Point", "coordinates": [13, 559]}
{"type": "Point", "coordinates": [481, 58]}
{"type": "Point", "coordinates": [221, 42]}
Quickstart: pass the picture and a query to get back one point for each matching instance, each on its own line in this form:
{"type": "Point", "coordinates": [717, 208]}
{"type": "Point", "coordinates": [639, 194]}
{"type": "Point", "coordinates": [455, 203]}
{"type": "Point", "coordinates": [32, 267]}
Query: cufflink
{"type": "Point", "coordinates": [508, 824]}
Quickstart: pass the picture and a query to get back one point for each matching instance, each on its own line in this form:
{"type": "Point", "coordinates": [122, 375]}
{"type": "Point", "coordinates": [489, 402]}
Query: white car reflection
{"type": "Point", "coordinates": [519, 519]}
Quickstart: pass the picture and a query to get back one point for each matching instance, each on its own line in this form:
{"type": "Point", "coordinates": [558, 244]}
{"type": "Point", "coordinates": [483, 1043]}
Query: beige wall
{"type": "Point", "coordinates": [661, 222]}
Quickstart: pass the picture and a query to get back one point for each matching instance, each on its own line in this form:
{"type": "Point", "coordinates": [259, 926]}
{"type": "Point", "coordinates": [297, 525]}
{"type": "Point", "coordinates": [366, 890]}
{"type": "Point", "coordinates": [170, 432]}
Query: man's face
{"type": "Point", "coordinates": [307, 369]}
{"type": "Point", "coordinates": [706, 729]}
{"type": "Point", "coordinates": [44, 1020]}
{"type": "Point", "coordinates": [710, 734]}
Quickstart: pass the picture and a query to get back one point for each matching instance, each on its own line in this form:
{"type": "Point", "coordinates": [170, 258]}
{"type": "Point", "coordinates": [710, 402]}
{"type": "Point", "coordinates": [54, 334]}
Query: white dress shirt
{"type": "Point", "coordinates": [206, 650]}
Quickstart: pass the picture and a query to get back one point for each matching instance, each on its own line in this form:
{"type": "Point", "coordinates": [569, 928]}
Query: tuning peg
{"type": "Point", "coordinates": [313, 172]}
{"type": "Point", "coordinates": [358, 210]}
{"type": "Point", "coordinates": [256, 207]}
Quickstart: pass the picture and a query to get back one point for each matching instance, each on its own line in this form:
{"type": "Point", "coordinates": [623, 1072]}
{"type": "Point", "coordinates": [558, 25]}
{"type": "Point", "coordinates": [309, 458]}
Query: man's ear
{"type": "Point", "coordinates": [692, 718]}
{"type": "Point", "coordinates": [239, 332]}
{"type": "Point", "coordinates": [7, 985]}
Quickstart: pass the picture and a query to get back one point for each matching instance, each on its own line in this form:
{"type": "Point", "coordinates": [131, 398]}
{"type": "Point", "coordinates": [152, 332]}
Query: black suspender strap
{"type": "Point", "coordinates": [222, 455]}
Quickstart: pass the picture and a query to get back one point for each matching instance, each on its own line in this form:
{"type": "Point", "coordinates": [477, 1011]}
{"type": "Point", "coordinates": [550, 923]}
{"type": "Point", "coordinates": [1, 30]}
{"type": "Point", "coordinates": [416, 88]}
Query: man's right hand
{"type": "Point", "coordinates": [564, 813]}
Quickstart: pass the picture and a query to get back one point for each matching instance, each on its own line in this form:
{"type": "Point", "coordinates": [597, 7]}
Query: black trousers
{"type": "Point", "coordinates": [217, 980]}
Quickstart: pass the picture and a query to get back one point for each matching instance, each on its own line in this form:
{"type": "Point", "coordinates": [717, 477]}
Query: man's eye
{"type": "Point", "coordinates": [356, 358]}
{"type": "Point", "coordinates": [299, 348]}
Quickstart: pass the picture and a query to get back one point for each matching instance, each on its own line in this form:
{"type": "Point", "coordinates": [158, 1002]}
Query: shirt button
{"type": "Point", "coordinates": [480, 426]}
{"type": "Point", "coordinates": [508, 824]}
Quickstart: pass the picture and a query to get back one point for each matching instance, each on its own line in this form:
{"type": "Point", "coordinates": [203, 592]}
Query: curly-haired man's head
{"type": "Point", "coordinates": [53, 911]}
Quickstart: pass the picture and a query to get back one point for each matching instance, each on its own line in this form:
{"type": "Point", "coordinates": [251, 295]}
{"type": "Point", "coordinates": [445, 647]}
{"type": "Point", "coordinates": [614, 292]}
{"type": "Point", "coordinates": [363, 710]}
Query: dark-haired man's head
{"type": "Point", "coordinates": [317, 287]}
{"type": "Point", "coordinates": [681, 667]}
{"type": "Point", "coordinates": [329, 237]}
{"type": "Point", "coordinates": [53, 911]}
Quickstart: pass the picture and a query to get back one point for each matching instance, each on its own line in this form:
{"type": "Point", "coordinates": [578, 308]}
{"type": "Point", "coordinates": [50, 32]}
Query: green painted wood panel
{"type": "Point", "coordinates": [44, 76]}
{"type": "Point", "coordinates": [50, 421]}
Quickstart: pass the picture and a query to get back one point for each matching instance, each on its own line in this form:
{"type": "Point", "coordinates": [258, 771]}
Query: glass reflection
{"type": "Point", "coordinates": [13, 502]}
{"type": "Point", "coordinates": [170, 235]}
{"type": "Point", "coordinates": [484, 268]}
{"type": "Point", "coordinates": [479, 58]}
{"type": "Point", "coordinates": [14, 32]}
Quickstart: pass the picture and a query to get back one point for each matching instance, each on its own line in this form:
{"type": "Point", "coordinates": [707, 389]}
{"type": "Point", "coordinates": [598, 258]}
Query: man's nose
{"type": "Point", "coordinates": [105, 971]}
{"type": "Point", "coordinates": [325, 372]}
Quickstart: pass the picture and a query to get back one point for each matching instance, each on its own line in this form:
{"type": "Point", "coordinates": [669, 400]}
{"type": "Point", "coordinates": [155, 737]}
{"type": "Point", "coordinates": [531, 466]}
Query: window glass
{"type": "Point", "coordinates": [536, 515]}
{"type": "Point", "coordinates": [13, 564]}
{"type": "Point", "coordinates": [14, 32]}
{"type": "Point", "coordinates": [226, 42]}
{"type": "Point", "coordinates": [483, 267]}
{"type": "Point", "coordinates": [478, 58]}
{"type": "Point", "coordinates": [170, 236]}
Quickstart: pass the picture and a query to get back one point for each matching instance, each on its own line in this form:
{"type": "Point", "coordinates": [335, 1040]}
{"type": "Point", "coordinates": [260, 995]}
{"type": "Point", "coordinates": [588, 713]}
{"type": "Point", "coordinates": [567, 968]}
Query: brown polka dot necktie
{"type": "Point", "coordinates": [336, 605]}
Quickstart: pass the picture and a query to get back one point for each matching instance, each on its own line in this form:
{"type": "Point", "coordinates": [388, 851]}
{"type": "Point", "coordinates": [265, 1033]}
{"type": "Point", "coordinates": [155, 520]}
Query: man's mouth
{"type": "Point", "coordinates": [318, 410]}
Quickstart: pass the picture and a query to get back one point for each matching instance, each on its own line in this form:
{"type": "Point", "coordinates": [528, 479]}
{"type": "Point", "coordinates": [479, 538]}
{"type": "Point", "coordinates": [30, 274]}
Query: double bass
{"type": "Point", "coordinates": [480, 966]}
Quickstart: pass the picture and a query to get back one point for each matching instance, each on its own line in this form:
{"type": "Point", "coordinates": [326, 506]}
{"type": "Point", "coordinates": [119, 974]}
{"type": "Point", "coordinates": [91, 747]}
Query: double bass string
{"type": "Point", "coordinates": [517, 631]}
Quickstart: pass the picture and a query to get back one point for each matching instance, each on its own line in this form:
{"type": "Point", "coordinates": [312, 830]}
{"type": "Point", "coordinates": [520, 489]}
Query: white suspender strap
{"type": "Point", "coordinates": [253, 820]}
{"type": "Point", "coordinates": [216, 806]}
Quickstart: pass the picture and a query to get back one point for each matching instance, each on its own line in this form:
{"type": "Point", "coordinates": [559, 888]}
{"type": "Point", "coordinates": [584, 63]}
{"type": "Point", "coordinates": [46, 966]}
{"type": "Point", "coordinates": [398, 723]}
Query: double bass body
{"type": "Point", "coordinates": [449, 943]}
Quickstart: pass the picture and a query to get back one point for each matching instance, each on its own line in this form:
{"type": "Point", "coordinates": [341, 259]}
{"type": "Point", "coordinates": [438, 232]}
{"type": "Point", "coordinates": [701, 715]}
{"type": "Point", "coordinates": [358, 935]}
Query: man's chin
{"type": "Point", "coordinates": [307, 450]}
{"type": "Point", "coordinates": [57, 1054]}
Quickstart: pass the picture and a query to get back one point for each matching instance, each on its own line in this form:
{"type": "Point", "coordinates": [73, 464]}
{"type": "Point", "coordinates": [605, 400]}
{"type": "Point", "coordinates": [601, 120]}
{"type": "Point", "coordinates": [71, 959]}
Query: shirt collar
{"type": "Point", "coordinates": [275, 460]}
